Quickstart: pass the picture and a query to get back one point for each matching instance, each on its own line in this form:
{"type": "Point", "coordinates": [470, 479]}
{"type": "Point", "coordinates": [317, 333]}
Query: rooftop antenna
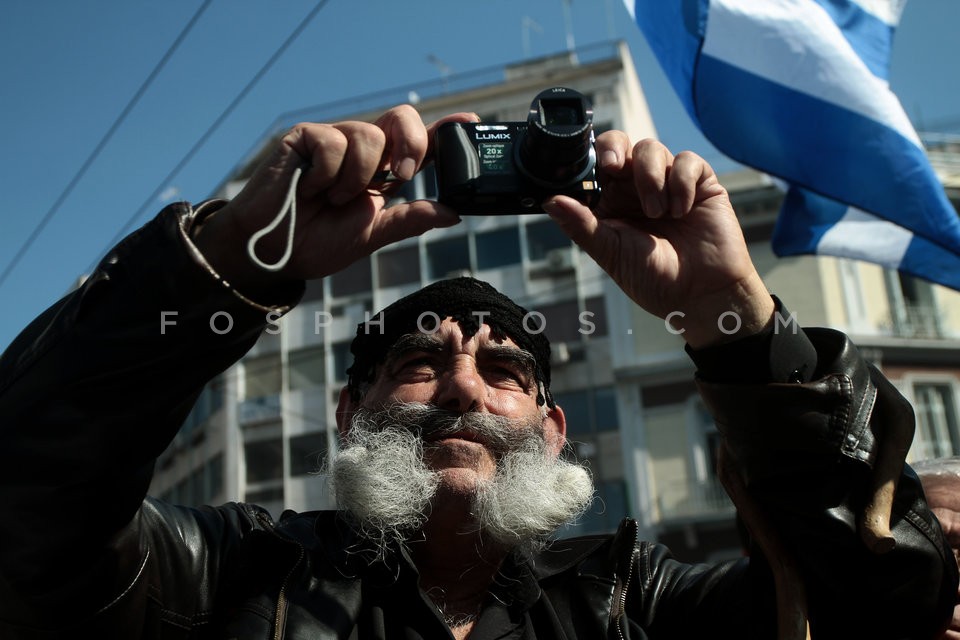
{"type": "Point", "coordinates": [527, 23]}
{"type": "Point", "coordinates": [441, 66]}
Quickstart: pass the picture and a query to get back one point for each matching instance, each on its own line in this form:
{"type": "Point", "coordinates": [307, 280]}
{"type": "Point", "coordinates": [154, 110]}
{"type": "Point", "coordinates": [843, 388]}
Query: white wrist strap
{"type": "Point", "coordinates": [290, 204]}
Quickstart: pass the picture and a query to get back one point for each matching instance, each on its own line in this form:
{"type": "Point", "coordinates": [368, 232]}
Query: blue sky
{"type": "Point", "coordinates": [68, 69]}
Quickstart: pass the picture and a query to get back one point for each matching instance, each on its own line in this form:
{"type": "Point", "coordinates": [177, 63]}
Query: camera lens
{"type": "Point", "coordinates": [561, 112]}
{"type": "Point", "coordinates": [557, 144]}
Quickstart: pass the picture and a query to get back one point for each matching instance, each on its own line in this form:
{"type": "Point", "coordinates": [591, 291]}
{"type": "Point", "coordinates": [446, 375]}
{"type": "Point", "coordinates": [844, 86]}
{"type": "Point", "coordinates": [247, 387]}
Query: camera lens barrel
{"type": "Point", "coordinates": [557, 146]}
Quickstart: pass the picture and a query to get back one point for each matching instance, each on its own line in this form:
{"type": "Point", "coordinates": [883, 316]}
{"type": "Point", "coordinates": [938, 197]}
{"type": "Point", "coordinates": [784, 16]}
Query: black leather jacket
{"type": "Point", "coordinates": [95, 389]}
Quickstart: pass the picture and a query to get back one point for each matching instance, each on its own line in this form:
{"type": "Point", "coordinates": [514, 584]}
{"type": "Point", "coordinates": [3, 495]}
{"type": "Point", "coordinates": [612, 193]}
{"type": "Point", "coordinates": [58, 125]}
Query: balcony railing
{"type": "Point", "coordinates": [915, 321]}
{"type": "Point", "coordinates": [262, 409]}
{"type": "Point", "coordinates": [691, 499]}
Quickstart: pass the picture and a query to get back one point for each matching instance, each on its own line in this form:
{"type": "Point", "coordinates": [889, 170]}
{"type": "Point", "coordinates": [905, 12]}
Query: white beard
{"type": "Point", "coordinates": [384, 487]}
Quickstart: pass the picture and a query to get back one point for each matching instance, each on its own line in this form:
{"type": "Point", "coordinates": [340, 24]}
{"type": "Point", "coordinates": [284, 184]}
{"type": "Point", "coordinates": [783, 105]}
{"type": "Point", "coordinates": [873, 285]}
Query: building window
{"type": "Point", "coordinates": [342, 359]}
{"type": "Point", "coordinates": [209, 402]}
{"type": "Point", "coordinates": [606, 417]}
{"type": "Point", "coordinates": [354, 280]}
{"type": "Point", "coordinates": [264, 460]}
{"type": "Point", "coordinates": [262, 376]}
{"type": "Point", "coordinates": [937, 428]}
{"type": "Point", "coordinates": [305, 368]}
{"type": "Point", "coordinates": [707, 493]}
{"type": "Point", "coordinates": [213, 477]}
{"type": "Point", "coordinates": [544, 236]}
{"type": "Point", "coordinates": [447, 256]}
{"type": "Point", "coordinates": [307, 453]}
{"type": "Point", "coordinates": [913, 310]}
{"type": "Point", "coordinates": [596, 315]}
{"type": "Point", "coordinates": [399, 266]}
{"type": "Point", "coordinates": [498, 248]}
{"type": "Point", "coordinates": [562, 321]}
{"type": "Point", "coordinates": [612, 496]}
{"type": "Point", "coordinates": [605, 513]}
{"type": "Point", "coordinates": [313, 291]}
{"type": "Point", "coordinates": [589, 410]}
{"type": "Point", "coordinates": [270, 498]}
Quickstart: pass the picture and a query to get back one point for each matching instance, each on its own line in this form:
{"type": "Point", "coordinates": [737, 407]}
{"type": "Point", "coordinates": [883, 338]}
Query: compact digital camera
{"type": "Point", "coordinates": [513, 167]}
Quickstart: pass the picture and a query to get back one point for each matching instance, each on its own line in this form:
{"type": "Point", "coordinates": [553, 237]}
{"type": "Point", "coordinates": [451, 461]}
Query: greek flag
{"type": "Point", "coordinates": [798, 89]}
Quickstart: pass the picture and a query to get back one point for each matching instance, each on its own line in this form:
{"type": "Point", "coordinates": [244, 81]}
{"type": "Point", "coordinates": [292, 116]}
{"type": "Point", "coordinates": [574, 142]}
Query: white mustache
{"type": "Point", "coordinates": [385, 488]}
{"type": "Point", "coordinates": [430, 423]}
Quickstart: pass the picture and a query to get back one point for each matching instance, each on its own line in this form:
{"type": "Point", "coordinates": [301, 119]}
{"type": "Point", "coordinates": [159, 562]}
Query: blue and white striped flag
{"type": "Point", "coordinates": [798, 89]}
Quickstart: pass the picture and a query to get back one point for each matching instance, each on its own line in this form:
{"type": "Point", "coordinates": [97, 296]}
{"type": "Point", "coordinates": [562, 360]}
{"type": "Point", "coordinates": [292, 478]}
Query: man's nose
{"type": "Point", "coordinates": [461, 388]}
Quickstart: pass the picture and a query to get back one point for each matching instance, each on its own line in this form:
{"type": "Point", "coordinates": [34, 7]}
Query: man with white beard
{"type": "Point", "coordinates": [451, 479]}
{"type": "Point", "coordinates": [385, 484]}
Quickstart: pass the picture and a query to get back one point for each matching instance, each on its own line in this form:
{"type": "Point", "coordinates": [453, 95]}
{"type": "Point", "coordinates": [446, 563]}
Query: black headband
{"type": "Point", "coordinates": [465, 300]}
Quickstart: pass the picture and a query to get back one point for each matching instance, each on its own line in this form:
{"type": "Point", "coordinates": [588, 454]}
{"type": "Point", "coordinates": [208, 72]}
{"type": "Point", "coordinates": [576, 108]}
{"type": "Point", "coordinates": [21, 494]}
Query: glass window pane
{"type": "Point", "coordinates": [544, 236]}
{"type": "Point", "coordinates": [563, 321]}
{"type": "Point", "coordinates": [576, 408]}
{"type": "Point", "coordinates": [270, 498]}
{"type": "Point", "coordinates": [605, 409]}
{"type": "Point", "coordinates": [305, 368]}
{"type": "Point", "coordinates": [262, 375]}
{"type": "Point", "coordinates": [498, 248]}
{"type": "Point", "coordinates": [613, 493]}
{"type": "Point", "coordinates": [313, 291]}
{"type": "Point", "coordinates": [353, 280]}
{"type": "Point", "coordinates": [342, 358]}
{"type": "Point", "coordinates": [213, 472]}
{"type": "Point", "coordinates": [264, 460]}
{"type": "Point", "coordinates": [444, 256]}
{"type": "Point", "coordinates": [307, 453]}
{"type": "Point", "coordinates": [400, 266]}
{"type": "Point", "coordinates": [598, 309]}
{"type": "Point", "coordinates": [936, 419]}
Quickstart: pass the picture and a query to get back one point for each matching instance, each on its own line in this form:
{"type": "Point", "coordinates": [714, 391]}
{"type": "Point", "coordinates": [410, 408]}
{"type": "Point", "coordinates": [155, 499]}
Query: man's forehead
{"type": "Point", "coordinates": [448, 334]}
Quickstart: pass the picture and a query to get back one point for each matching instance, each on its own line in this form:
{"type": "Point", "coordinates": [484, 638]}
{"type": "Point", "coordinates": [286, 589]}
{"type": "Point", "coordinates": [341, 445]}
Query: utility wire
{"type": "Point", "coordinates": [213, 127]}
{"type": "Point", "coordinates": [102, 144]}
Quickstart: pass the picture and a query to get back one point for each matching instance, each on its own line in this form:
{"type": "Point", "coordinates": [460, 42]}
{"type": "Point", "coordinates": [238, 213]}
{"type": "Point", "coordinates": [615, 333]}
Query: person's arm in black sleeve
{"type": "Point", "coordinates": [780, 352]}
{"type": "Point", "coordinates": [798, 411]}
{"type": "Point", "coordinates": [802, 429]}
{"type": "Point", "coordinates": [90, 395]}
{"type": "Point", "coordinates": [95, 389]}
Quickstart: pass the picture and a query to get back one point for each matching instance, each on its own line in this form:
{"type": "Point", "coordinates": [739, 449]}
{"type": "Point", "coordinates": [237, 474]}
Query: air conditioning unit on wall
{"type": "Point", "coordinates": [561, 260]}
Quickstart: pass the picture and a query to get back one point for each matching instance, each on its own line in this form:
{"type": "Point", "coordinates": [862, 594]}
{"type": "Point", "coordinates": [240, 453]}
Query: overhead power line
{"type": "Point", "coordinates": [213, 127]}
{"type": "Point", "coordinates": [48, 216]}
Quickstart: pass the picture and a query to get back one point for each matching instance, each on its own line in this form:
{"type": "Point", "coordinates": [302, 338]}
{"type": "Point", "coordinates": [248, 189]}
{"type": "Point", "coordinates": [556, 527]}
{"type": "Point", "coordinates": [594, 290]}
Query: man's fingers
{"type": "Point", "coordinates": [411, 219]}
{"type": "Point", "coordinates": [407, 140]}
{"type": "Point", "coordinates": [322, 147]}
{"type": "Point", "coordinates": [574, 218]}
{"type": "Point", "coordinates": [651, 164]}
{"type": "Point", "coordinates": [692, 180]}
{"type": "Point", "coordinates": [364, 155]}
{"type": "Point", "coordinates": [685, 175]}
{"type": "Point", "coordinates": [613, 152]}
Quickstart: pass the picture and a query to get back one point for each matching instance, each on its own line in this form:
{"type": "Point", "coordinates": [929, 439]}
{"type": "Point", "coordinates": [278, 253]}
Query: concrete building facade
{"type": "Point", "coordinates": [262, 431]}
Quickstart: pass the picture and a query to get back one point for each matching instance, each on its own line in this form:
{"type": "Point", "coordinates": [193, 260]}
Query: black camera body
{"type": "Point", "coordinates": [513, 167]}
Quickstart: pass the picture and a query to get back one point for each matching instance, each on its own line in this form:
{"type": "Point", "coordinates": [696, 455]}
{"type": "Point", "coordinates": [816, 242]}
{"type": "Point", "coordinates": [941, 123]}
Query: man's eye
{"type": "Point", "coordinates": [418, 363]}
{"type": "Point", "coordinates": [510, 373]}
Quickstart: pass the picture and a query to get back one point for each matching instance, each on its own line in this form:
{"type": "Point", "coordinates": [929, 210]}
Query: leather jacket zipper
{"type": "Point", "coordinates": [280, 614]}
{"type": "Point", "coordinates": [622, 600]}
